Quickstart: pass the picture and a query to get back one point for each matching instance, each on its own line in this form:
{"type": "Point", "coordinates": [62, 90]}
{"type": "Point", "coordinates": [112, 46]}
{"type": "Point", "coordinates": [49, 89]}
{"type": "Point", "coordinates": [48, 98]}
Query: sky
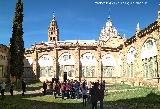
{"type": "Point", "coordinates": [77, 19]}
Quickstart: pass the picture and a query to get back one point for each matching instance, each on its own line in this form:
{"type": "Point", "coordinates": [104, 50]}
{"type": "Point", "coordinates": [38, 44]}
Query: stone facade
{"type": "Point", "coordinates": [4, 62]}
{"type": "Point", "coordinates": [113, 57]}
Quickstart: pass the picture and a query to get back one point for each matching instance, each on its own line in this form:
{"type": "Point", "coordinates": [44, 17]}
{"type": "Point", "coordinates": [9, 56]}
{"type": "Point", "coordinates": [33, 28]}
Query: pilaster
{"type": "Point", "coordinates": [78, 73]}
{"type": "Point", "coordinates": [99, 72]}
{"type": "Point", "coordinates": [36, 68]}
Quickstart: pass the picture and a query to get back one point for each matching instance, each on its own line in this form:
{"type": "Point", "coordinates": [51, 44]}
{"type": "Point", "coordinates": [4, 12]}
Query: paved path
{"type": "Point", "coordinates": [27, 92]}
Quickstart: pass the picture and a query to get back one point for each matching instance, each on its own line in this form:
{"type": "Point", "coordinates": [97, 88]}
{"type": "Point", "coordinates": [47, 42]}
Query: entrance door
{"type": "Point", "coordinates": [65, 76]}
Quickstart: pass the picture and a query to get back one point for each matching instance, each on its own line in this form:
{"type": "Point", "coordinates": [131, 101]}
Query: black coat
{"type": "Point", "coordinates": [23, 85]}
{"type": "Point", "coordinates": [44, 86]}
{"type": "Point", "coordinates": [94, 95]}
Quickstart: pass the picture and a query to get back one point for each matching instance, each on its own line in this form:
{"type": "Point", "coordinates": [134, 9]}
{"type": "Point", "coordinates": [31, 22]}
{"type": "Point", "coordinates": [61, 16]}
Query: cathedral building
{"type": "Point", "coordinates": [113, 57]}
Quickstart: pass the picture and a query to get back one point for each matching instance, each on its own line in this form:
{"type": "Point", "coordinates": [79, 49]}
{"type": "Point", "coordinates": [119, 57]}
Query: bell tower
{"type": "Point", "coordinates": [53, 31]}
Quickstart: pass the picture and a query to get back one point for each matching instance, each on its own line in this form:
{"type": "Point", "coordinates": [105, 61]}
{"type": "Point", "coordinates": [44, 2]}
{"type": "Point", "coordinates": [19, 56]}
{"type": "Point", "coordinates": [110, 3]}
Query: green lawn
{"type": "Point", "coordinates": [118, 97]}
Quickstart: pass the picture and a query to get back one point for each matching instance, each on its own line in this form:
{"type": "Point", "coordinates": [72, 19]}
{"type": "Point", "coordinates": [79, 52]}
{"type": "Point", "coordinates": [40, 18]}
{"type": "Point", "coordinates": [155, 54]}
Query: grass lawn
{"type": "Point", "coordinates": [118, 97]}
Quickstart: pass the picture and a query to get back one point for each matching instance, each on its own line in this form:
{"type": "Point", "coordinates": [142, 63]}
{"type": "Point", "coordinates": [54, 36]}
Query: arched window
{"type": "Point", "coordinates": [66, 64]}
{"type": "Point", "coordinates": [88, 62]}
{"type": "Point", "coordinates": [130, 61]}
{"type": "Point", "coordinates": [46, 66]}
{"type": "Point", "coordinates": [149, 58]}
{"type": "Point", "coordinates": [109, 64]}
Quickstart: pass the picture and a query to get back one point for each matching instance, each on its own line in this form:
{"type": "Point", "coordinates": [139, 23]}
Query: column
{"type": "Point", "coordinates": [78, 72]}
{"type": "Point", "coordinates": [55, 63]}
{"type": "Point", "coordinates": [99, 72]}
{"type": "Point", "coordinates": [36, 67]}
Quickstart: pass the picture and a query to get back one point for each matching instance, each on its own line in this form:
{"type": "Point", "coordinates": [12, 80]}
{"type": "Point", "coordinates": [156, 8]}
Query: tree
{"type": "Point", "coordinates": [17, 44]}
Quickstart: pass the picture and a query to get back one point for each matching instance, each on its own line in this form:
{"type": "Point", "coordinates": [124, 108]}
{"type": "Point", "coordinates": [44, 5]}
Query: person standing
{"type": "Point", "coordinates": [84, 93]}
{"type": "Point", "coordinates": [54, 85]}
{"type": "Point", "coordinates": [67, 90]}
{"type": "Point", "coordinates": [94, 95]}
{"type": "Point", "coordinates": [23, 87]}
{"type": "Point", "coordinates": [3, 85]}
{"type": "Point", "coordinates": [77, 85]}
{"type": "Point", "coordinates": [101, 94]}
{"type": "Point", "coordinates": [56, 90]}
{"type": "Point", "coordinates": [63, 89]}
{"type": "Point", "coordinates": [44, 88]}
{"type": "Point", "coordinates": [11, 89]}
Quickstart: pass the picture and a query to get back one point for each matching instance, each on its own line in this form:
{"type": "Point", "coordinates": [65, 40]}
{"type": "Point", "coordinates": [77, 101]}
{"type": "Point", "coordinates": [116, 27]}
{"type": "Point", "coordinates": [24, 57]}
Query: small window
{"type": "Point", "coordinates": [54, 38]}
{"type": "Point", "coordinates": [50, 38]}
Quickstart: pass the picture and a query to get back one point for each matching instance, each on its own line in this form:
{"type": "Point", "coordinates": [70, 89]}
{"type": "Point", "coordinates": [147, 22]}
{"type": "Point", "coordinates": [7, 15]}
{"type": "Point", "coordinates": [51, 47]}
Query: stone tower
{"type": "Point", "coordinates": [53, 31]}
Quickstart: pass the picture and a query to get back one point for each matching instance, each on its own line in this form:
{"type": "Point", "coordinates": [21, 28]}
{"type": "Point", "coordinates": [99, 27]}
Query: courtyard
{"type": "Point", "coordinates": [117, 96]}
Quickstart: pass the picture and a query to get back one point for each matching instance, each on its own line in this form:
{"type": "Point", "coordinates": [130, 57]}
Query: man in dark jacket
{"type": "Point", "coordinates": [94, 95]}
{"type": "Point", "coordinates": [11, 89]}
{"type": "Point", "coordinates": [23, 87]}
{"type": "Point", "coordinates": [44, 88]}
{"type": "Point", "coordinates": [101, 94]}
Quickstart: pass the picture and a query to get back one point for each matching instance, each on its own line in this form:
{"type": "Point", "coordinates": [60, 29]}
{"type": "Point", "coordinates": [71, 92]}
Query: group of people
{"type": "Point", "coordinates": [89, 91]}
{"type": "Point", "coordinates": [10, 85]}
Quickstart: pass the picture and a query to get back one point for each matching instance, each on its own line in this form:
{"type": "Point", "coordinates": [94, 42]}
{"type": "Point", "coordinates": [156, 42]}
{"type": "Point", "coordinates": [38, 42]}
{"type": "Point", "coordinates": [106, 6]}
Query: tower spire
{"type": "Point", "coordinates": [53, 31]}
{"type": "Point", "coordinates": [53, 16]}
{"type": "Point", "coordinates": [137, 28]}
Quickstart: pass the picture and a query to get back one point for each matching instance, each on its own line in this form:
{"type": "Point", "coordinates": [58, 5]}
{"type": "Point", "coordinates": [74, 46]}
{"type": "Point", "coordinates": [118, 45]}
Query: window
{"type": "Point", "coordinates": [51, 38]}
{"type": "Point", "coordinates": [54, 38]}
{"type": "Point", "coordinates": [88, 71]}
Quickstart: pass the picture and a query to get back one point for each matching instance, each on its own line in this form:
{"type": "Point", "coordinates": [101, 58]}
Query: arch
{"type": "Point", "coordinates": [149, 48]}
{"type": "Point", "coordinates": [45, 60]}
{"type": "Point", "coordinates": [46, 67]}
{"type": "Point", "coordinates": [149, 58]}
{"type": "Point", "coordinates": [88, 62]}
{"type": "Point", "coordinates": [66, 59]}
{"type": "Point", "coordinates": [131, 55]}
{"type": "Point", "coordinates": [66, 64]}
{"type": "Point", "coordinates": [108, 60]}
{"type": "Point", "coordinates": [88, 59]}
{"type": "Point", "coordinates": [130, 60]}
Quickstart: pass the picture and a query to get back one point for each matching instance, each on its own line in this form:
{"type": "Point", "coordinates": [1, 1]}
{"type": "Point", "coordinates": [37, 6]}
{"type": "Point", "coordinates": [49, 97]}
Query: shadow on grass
{"type": "Point", "coordinates": [37, 101]}
{"type": "Point", "coordinates": [151, 101]}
